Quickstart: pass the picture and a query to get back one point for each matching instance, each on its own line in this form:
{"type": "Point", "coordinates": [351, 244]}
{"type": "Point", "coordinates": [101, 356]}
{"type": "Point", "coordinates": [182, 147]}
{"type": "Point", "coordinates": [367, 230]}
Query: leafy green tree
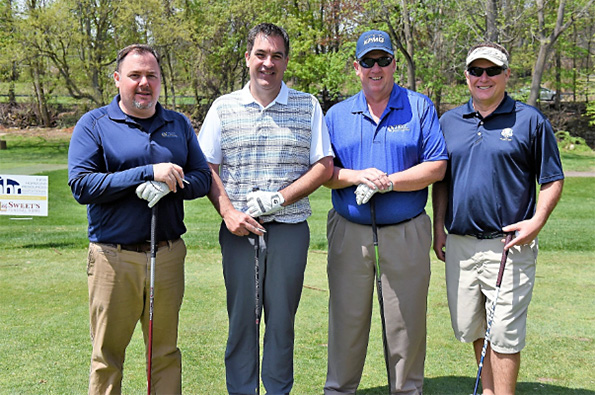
{"type": "Point", "coordinates": [323, 47]}
{"type": "Point", "coordinates": [9, 70]}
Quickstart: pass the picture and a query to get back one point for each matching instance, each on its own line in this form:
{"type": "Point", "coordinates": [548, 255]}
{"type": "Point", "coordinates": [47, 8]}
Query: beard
{"type": "Point", "coordinates": [141, 106]}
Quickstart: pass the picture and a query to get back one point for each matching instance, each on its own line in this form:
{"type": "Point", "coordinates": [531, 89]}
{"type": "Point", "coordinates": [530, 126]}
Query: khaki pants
{"type": "Point", "coordinates": [405, 268]}
{"type": "Point", "coordinates": [119, 289]}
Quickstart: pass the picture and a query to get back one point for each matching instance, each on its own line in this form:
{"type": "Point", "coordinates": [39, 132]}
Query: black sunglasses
{"type": "Point", "coordinates": [368, 63]}
{"type": "Point", "coordinates": [491, 71]}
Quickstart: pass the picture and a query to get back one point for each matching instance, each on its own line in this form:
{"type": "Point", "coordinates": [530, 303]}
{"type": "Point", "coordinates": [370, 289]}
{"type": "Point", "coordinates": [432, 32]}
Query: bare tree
{"type": "Point", "coordinates": [547, 40]}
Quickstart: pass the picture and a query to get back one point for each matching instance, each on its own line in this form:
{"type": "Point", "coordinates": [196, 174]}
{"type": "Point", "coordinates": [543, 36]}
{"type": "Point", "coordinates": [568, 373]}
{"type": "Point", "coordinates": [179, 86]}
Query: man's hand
{"type": "Point", "coordinates": [152, 191]}
{"type": "Point", "coordinates": [263, 203]}
{"type": "Point", "coordinates": [169, 173]}
{"type": "Point", "coordinates": [440, 244]}
{"type": "Point", "coordinates": [363, 193]}
{"type": "Point", "coordinates": [241, 224]}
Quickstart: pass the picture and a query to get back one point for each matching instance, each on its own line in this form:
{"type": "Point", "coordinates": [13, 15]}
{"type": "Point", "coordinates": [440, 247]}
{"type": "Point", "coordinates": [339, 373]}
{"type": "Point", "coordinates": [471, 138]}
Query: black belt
{"type": "Point", "coordinates": [139, 247]}
{"type": "Point", "coordinates": [487, 235]}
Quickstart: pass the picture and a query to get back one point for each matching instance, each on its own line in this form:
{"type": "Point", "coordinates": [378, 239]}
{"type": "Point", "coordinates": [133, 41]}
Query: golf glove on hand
{"type": "Point", "coordinates": [263, 203]}
{"type": "Point", "coordinates": [364, 193]}
{"type": "Point", "coordinates": [152, 191]}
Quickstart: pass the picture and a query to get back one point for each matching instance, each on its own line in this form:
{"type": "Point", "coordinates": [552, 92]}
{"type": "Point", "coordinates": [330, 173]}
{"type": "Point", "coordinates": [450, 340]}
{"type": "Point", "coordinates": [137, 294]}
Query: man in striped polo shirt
{"type": "Point", "coordinates": [268, 147]}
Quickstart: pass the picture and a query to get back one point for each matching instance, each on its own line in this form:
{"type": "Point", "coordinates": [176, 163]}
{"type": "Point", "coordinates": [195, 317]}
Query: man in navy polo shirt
{"type": "Point", "coordinates": [121, 155]}
{"type": "Point", "coordinates": [498, 148]}
{"type": "Point", "coordinates": [389, 147]}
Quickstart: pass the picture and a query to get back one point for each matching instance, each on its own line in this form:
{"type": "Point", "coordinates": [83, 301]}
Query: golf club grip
{"type": "Point", "coordinates": [373, 217]}
{"type": "Point", "coordinates": [503, 260]}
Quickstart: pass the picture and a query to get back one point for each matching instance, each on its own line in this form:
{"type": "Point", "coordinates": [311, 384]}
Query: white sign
{"type": "Point", "coordinates": [23, 195]}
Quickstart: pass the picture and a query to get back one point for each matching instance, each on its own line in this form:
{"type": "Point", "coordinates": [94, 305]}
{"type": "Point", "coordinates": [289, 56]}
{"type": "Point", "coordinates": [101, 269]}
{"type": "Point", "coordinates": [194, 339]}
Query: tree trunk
{"type": "Point", "coordinates": [409, 43]}
{"type": "Point", "coordinates": [491, 20]}
{"type": "Point", "coordinates": [12, 97]}
{"type": "Point", "coordinates": [42, 107]}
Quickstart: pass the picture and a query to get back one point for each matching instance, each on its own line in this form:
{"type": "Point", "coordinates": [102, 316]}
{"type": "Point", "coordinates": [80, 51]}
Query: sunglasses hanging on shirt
{"type": "Point", "coordinates": [368, 63]}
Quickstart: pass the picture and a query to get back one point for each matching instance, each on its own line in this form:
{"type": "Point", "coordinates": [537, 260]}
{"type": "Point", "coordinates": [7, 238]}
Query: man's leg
{"type": "Point", "coordinates": [286, 257]}
{"type": "Point", "coordinates": [505, 369]}
{"type": "Point", "coordinates": [116, 283]}
{"type": "Point", "coordinates": [487, 378]}
{"type": "Point", "coordinates": [351, 285]}
{"type": "Point", "coordinates": [169, 291]}
{"type": "Point", "coordinates": [405, 268]}
{"type": "Point", "coordinates": [238, 273]}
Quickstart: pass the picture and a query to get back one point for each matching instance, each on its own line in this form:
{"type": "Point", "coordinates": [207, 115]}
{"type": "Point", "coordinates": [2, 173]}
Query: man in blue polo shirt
{"type": "Point", "coordinates": [389, 147]}
{"type": "Point", "coordinates": [121, 155]}
{"type": "Point", "coordinates": [498, 148]}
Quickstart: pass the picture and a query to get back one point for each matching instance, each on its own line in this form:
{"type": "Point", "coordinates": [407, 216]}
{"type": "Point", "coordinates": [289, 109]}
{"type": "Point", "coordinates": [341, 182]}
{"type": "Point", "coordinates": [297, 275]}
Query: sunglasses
{"type": "Point", "coordinates": [491, 71]}
{"type": "Point", "coordinates": [368, 63]}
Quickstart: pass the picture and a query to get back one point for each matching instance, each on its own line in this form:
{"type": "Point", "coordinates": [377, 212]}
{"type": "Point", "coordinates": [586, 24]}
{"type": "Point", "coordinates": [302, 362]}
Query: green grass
{"type": "Point", "coordinates": [44, 335]}
{"type": "Point", "coordinates": [578, 161]}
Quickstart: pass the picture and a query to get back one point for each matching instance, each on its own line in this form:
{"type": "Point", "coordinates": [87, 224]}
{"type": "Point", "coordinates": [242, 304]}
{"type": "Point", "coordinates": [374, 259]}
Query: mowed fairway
{"type": "Point", "coordinates": [44, 336]}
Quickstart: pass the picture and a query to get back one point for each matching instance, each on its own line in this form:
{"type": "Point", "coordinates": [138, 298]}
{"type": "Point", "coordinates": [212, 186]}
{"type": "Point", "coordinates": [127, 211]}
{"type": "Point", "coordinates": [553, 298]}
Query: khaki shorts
{"type": "Point", "coordinates": [471, 272]}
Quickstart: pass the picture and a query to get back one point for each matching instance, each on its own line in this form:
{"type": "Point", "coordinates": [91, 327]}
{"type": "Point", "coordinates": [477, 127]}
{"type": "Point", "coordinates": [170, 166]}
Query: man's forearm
{"type": "Point", "coordinates": [217, 194]}
{"type": "Point", "coordinates": [549, 195]}
{"type": "Point", "coordinates": [319, 173]}
{"type": "Point", "coordinates": [439, 204]}
{"type": "Point", "coordinates": [419, 176]}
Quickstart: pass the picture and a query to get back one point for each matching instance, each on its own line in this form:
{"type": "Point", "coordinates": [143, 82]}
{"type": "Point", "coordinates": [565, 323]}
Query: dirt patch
{"type": "Point", "coordinates": [38, 132]}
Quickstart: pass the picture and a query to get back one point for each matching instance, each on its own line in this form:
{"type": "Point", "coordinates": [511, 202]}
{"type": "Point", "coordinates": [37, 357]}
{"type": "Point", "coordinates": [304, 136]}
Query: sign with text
{"type": "Point", "coordinates": [23, 195]}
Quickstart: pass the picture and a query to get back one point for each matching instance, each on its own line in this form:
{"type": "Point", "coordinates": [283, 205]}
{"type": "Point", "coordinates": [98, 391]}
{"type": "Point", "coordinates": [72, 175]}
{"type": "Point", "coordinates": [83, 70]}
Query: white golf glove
{"type": "Point", "coordinates": [363, 193]}
{"type": "Point", "coordinates": [152, 191]}
{"type": "Point", "coordinates": [263, 203]}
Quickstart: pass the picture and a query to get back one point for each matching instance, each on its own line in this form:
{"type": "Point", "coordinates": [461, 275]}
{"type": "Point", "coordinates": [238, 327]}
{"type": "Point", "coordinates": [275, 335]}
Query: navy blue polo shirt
{"type": "Point", "coordinates": [111, 153]}
{"type": "Point", "coordinates": [408, 134]}
{"type": "Point", "coordinates": [495, 163]}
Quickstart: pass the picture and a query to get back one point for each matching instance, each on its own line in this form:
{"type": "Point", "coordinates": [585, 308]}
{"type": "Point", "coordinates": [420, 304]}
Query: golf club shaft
{"type": "Point", "coordinates": [257, 307]}
{"type": "Point", "coordinates": [151, 294]}
{"type": "Point", "coordinates": [492, 310]}
{"type": "Point", "coordinates": [379, 290]}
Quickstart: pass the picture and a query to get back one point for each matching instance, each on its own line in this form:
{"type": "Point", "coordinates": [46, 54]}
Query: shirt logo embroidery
{"type": "Point", "coordinates": [167, 134]}
{"type": "Point", "coordinates": [506, 134]}
{"type": "Point", "coordinates": [397, 128]}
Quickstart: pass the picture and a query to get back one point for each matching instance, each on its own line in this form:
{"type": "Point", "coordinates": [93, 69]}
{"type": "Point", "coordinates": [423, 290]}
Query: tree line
{"type": "Point", "coordinates": [68, 47]}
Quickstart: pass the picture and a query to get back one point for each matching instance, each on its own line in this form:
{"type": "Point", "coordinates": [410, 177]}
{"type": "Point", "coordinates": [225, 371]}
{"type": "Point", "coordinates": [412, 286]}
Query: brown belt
{"type": "Point", "coordinates": [140, 247]}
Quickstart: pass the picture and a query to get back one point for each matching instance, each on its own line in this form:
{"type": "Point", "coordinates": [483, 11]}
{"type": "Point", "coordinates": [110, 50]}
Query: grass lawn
{"type": "Point", "coordinates": [44, 336]}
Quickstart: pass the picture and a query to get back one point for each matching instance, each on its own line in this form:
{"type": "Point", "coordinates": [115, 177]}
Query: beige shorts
{"type": "Point", "coordinates": [471, 272]}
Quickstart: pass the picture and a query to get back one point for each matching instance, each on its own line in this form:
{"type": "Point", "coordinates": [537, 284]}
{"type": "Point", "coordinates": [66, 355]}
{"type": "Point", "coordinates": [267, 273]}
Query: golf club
{"type": "Point", "coordinates": [379, 290]}
{"type": "Point", "coordinates": [152, 294]}
{"type": "Point", "coordinates": [257, 306]}
{"type": "Point", "coordinates": [492, 310]}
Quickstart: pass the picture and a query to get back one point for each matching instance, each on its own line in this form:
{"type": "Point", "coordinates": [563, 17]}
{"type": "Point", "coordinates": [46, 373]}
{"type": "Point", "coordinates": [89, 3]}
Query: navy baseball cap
{"type": "Point", "coordinates": [373, 40]}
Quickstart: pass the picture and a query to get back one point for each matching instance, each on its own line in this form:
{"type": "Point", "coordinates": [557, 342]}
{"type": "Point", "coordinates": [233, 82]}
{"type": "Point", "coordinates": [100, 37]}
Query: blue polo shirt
{"type": "Point", "coordinates": [494, 164]}
{"type": "Point", "coordinates": [110, 154]}
{"type": "Point", "coordinates": [408, 134]}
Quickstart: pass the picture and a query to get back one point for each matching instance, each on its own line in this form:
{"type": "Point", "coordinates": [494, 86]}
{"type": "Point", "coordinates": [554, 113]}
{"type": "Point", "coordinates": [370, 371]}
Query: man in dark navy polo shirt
{"type": "Point", "coordinates": [121, 155]}
{"type": "Point", "coordinates": [498, 148]}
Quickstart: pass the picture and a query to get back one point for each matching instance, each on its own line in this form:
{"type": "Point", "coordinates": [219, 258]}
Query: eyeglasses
{"type": "Point", "coordinates": [368, 63]}
{"type": "Point", "coordinates": [491, 71]}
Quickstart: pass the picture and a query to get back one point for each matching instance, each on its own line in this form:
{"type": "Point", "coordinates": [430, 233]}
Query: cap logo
{"type": "Point", "coordinates": [374, 39]}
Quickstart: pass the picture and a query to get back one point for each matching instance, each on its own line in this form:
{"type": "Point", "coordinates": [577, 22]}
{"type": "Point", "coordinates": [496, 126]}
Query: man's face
{"type": "Point", "coordinates": [139, 83]}
{"type": "Point", "coordinates": [486, 90]}
{"type": "Point", "coordinates": [267, 63]}
{"type": "Point", "coordinates": [376, 80]}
